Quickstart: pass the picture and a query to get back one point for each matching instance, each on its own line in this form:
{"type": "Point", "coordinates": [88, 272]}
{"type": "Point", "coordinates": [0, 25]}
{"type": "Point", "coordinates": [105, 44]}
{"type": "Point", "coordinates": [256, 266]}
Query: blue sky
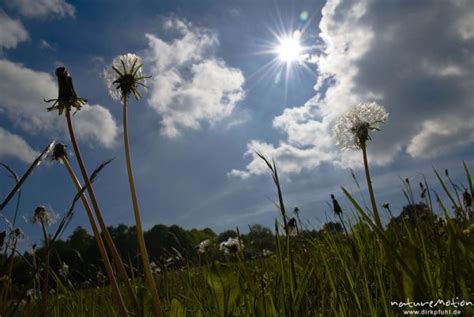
{"type": "Point", "coordinates": [219, 93]}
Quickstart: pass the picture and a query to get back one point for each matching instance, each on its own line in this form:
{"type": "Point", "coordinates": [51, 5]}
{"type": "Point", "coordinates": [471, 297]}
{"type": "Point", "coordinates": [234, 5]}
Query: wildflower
{"type": "Point", "coordinates": [232, 246]}
{"type": "Point", "coordinates": [31, 293]}
{"type": "Point", "coordinates": [67, 98]}
{"type": "Point", "coordinates": [352, 129]}
{"type": "Point", "coordinates": [335, 205]}
{"type": "Point", "coordinates": [154, 267]}
{"type": "Point", "coordinates": [100, 277]}
{"type": "Point", "coordinates": [203, 246]}
{"type": "Point", "coordinates": [4, 278]}
{"type": "Point", "coordinates": [43, 216]}
{"type": "Point", "coordinates": [124, 76]}
{"type": "Point", "coordinates": [64, 270]}
{"type": "Point", "coordinates": [266, 252]}
{"type": "Point", "coordinates": [59, 152]}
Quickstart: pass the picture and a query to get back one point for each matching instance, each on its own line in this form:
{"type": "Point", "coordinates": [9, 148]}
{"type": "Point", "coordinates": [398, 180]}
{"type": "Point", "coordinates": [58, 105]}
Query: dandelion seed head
{"type": "Point", "coordinates": [231, 246]}
{"type": "Point", "coordinates": [266, 252]}
{"type": "Point", "coordinates": [43, 216]}
{"type": "Point", "coordinates": [124, 76]}
{"type": "Point", "coordinates": [352, 129]}
{"type": "Point", "coordinates": [203, 246]}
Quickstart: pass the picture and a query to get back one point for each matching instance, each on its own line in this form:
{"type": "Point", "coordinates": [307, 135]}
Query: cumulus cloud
{"type": "Point", "coordinates": [12, 31]}
{"type": "Point", "coordinates": [41, 8]}
{"type": "Point", "coordinates": [12, 145]}
{"type": "Point", "coordinates": [23, 91]}
{"type": "Point", "coordinates": [190, 85]}
{"type": "Point", "coordinates": [414, 58]}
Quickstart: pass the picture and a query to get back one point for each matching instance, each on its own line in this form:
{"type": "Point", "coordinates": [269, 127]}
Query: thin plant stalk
{"type": "Point", "coordinates": [98, 238]}
{"type": "Point", "coordinates": [140, 237]}
{"type": "Point", "coordinates": [11, 259]}
{"type": "Point", "coordinates": [371, 190]}
{"type": "Point", "coordinates": [44, 290]}
{"type": "Point", "coordinates": [108, 239]}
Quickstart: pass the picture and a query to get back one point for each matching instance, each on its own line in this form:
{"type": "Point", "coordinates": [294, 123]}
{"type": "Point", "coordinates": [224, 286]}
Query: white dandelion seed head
{"type": "Point", "coordinates": [351, 130]}
{"type": "Point", "coordinates": [126, 64]}
{"type": "Point", "coordinates": [203, 246]}
{"type": "Point", "coordinates": [64, 269]}
{"type": "Point", "coordinates": [44, 216]}
{"type": "Point", "coordinates": [231, 246]}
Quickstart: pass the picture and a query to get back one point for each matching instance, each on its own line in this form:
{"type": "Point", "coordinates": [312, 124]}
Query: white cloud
{"type": "Point", "coordinates": [441, 135]}
{"type": "Point", "coordinates": [23, 91]}
{"type": "Point", "coordinates": [413, 58]}
{"type": "Point", "coordinates": [190, 85]}
{"type": "Point", "coordinates": [12, 145]}
{"type": "Point", "coordinates": [41, 8]}
{"type": "Point", "coordinates": [96, 123]}
{"type": "Point", "coordinates": [12, 31]}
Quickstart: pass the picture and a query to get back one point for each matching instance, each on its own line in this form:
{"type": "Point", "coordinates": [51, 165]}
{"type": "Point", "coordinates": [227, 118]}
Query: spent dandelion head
{"type": "Point", "coordinates": [67, 98]}
{"type": "Point", "coordinates": [16, 233]}
{"type": "Point", "coordinates": [43, 216]}
{"type": "Point", "coordinates": [59, 152]}
{"type": "Point", "coordinates": [124, 76]}
{"type": "Point", "coordinates": [352, 129]}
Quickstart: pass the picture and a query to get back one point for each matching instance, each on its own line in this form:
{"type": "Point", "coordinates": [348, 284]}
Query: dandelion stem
{"type": "Point", "coordinates": [98, 238]}
{"type": "Point", "coordinates": [95, 205]}
{"type": "Point", "coordinates": [44, 291]}
{"type": "Point", "coordinates": [140, 238]}
{"type": "Point", "coordinates": [369, 185]}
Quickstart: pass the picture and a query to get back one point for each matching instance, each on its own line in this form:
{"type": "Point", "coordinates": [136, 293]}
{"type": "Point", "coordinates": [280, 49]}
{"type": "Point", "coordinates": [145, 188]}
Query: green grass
{"type": "Point", "coordinates": [328, 274]}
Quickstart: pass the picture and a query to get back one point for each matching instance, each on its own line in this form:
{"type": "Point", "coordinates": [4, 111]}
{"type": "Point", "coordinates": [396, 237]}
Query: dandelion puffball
{"type": "Point", "coordinates": [352, 128]}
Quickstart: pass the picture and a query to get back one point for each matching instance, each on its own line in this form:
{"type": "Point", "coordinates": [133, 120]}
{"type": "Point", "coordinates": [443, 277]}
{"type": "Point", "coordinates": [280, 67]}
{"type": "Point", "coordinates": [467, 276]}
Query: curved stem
{"type": "Point", "coordinates": [98, 238]}
{"type": "Point", "coordinates": [98, 214]}
{"type": "Point", "coordinates": [371, 190]}
{"type": "Point", "coordinates": [140, 238]}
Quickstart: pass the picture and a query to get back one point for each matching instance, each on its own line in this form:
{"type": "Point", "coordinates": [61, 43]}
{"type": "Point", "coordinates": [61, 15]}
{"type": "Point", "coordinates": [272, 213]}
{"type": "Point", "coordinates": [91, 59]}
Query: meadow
{"type": "Point", "coordinates": [422, 259]}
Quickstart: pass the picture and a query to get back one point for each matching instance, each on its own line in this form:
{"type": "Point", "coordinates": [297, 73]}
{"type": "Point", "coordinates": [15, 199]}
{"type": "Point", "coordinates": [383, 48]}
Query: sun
{"type": "Point", "coordinates": [289, 49]}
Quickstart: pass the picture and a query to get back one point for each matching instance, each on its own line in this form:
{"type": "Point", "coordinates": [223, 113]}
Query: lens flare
{"type": "Point", "coordinates": [289, 49]}
{"type": "Point", "coordinates": [304, 16]}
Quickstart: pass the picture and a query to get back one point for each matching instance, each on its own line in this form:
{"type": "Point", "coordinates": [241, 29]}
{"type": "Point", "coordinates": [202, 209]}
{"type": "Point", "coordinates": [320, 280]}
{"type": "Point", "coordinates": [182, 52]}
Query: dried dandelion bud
{"type": "Point", "coordinates": [67, 98]}
{"type": "Point", "coordinates": [336, 207]}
